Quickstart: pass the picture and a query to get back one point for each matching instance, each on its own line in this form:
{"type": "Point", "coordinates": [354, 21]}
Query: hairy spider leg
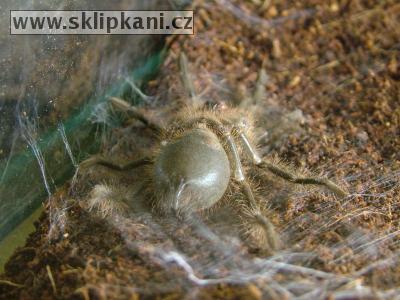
{"type": "Point", "coordinates": [96, 160]}
{"type": "Point", "coordinates": [135, 113]}
{"type": "Point", "coordinates": [254, 210]}
{"type": "Point", "coordinates": [282, 173]}
{"type": "Point", "coordinates": [259, 92]}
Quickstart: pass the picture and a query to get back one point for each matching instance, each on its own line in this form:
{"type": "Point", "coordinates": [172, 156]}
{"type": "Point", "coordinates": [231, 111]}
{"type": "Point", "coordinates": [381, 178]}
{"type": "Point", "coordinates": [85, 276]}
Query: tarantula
{"type": "Point", "coordinates": [199, 157]}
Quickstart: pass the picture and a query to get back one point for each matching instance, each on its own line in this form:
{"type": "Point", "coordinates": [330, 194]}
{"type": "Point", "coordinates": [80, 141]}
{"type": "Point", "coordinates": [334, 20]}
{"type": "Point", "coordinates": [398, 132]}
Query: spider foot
{"type": "Point", "coordinates": [261, 234]}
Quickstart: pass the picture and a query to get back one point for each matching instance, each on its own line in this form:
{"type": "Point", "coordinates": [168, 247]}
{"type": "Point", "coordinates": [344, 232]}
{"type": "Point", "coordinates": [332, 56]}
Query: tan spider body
{"type": "Point", "coordinates": [199, 156]}
{"type": "Point", "coordinates": [199, 159]}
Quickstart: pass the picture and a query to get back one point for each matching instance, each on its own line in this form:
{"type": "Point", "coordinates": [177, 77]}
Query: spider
{"type": "Point", "coordinates": [199, 158]}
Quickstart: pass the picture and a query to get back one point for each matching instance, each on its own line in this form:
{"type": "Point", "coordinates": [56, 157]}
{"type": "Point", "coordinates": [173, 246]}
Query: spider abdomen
{"type": "Point", "coordinates": [192, 172]}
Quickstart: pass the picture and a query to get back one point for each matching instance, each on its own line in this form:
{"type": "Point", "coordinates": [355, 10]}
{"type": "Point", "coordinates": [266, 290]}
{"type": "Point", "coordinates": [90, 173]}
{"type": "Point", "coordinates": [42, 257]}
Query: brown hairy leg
{"type": "Point", "coordinates": [135, 113]}
{"type": "Point", "coordinates": [286, 175]}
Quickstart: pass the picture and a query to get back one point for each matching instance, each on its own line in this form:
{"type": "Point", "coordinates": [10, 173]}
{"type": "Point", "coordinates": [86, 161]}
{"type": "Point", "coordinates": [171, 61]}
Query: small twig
{"type": "Point", "coordinates": [53, 283]}
{"type": "Point", "coordinates": [325, 66]}
{"type": "Point", "coordinates": [7, 282]}
{"type": "Point", "coordinates": [71, 271]}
